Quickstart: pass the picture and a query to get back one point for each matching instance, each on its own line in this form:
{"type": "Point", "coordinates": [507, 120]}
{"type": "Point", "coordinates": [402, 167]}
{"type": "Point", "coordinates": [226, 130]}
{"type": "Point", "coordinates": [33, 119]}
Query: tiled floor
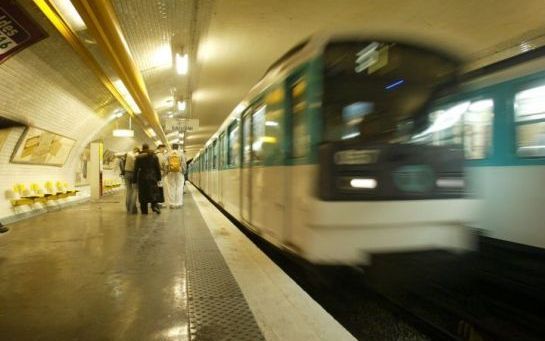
{"type": "Point", "coordinates": [92, 272]}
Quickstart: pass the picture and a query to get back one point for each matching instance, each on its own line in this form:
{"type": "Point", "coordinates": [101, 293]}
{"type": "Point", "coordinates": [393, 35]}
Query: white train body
{"type": "Point", "coordinates": [253, 168]}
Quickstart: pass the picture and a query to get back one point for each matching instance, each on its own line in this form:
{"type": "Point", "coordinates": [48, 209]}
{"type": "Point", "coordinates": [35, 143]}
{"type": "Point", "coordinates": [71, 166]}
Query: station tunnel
{"type": "Point", "coordinates": [272, 170]}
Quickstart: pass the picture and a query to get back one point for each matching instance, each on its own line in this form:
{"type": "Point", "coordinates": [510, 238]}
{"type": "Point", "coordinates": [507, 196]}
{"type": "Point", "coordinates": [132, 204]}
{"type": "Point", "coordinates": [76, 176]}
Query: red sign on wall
{"type": "Point", "coordinates": [17, 29]}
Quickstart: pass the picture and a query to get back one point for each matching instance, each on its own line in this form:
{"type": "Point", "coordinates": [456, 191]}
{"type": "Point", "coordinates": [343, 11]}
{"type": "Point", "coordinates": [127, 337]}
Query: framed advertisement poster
{"type": "Point", "coordinates": [41, 147]}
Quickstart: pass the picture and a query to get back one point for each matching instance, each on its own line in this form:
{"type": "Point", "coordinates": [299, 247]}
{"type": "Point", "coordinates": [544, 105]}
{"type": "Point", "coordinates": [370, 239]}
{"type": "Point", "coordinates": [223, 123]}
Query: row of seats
{"type": "Point", "coordinates": [110, 184]}
{"type": "Point", "coordinates": [21, 195]}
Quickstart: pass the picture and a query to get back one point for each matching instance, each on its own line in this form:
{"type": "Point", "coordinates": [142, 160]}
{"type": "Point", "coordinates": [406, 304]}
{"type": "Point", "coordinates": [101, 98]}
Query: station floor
{"type": "Point", "coordinates": [92, 272]}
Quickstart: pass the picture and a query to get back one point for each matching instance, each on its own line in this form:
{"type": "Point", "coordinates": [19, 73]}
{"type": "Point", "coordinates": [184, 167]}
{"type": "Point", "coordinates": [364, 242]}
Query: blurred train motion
{"type": "Point", "coordinates": [498, 114]}
{"type": "Point", "coordinates": [332, 157]}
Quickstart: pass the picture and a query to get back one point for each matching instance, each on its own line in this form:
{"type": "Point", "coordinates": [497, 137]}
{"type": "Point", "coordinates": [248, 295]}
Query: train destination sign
{"type": "Point", "coordinates": [17, 30]}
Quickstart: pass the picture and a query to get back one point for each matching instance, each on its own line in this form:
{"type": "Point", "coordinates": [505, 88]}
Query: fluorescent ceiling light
{"type": "Point", "coordinates": [181, 105]}
{"type": "Point", "coordinates": [182, 64]}
{"type": "Point", "coordinates": [349, 136]}
{"type": "Point", "coordinates": [70, 15]}
{"type": "Point", "coordinates": [151, 132]}
{"type": "Point", "coordinates": [123, 133]}
{"type": "Point", "coordinates": [162, 57]}
{"type": "Point", "coordinates": [120, 86]}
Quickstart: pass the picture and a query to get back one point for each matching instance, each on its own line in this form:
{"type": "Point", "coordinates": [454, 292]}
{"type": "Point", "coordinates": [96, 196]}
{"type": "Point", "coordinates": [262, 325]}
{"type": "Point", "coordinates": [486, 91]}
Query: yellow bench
{"type": "Point", "coordinates": [20, 195]}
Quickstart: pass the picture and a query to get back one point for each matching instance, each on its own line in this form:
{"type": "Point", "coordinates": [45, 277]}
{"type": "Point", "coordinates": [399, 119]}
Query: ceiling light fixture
{"type": "Point", "coordinates": [120, 86]}
{"type": "Point", "coordinates": [181, 105]}
{"type": "Point", "coordinates": [123, 133]}
{"type": "Point", "coordinates": [182, 63]}
{"type": "Point", "coordinates": [70, 15]}
{"type": "Point", "coordinates": [151, 133]}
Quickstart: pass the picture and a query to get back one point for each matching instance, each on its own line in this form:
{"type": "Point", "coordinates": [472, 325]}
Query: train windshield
{"type": "Point", "coordinates": [372, 88]}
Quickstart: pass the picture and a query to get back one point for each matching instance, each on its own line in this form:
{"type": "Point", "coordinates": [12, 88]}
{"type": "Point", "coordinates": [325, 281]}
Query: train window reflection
{"type": "Point", "coordinates": [272, 141]}
{"type": "Point", "coordinates": [246, 138]}
{"type": "Point", "coordinates": [234, 145]}
{"type": "Point", "coordinates": [467, 123]}
{"type": "Point", "coordinates": [530, 119]}
{"type": "Point", "coordinates": [258, 127]}
{"type": "Point", "coordinates": [352, 115]}
{"type": "Point", "coordinates": [387, 83]}
{"type": "Point", "coordinates": [298, 108]}
{"type": "Point", "coordinates": [530, 104]}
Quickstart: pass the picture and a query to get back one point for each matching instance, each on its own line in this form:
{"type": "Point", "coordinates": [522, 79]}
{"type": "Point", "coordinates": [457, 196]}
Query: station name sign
{"type": "Point", "coordinates": [184, 124]}
{"type": "Point", "coordinates": [17, 30]}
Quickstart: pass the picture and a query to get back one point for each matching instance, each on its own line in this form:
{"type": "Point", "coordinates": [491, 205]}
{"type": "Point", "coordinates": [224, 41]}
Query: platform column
{"type": "Point", "coordinates": [95, 170]}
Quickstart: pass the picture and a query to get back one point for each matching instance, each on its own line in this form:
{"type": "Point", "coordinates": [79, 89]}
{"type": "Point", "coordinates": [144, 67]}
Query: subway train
{"type": "Point", "coordinates": [498, 115]}
{"type": "Point", "coordinates": [330, 156]}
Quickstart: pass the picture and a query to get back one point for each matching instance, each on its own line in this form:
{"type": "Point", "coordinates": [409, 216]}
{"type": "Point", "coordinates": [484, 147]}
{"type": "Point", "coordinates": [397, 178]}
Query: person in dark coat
{"type": "Point", "coordinates": [147, 174]}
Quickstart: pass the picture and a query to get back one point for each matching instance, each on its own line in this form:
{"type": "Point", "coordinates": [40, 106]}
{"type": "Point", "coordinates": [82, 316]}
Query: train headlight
{"type": "Point", "coordinates": [356, 157]}
{"type": "Point", "coordinates": [366, 183]}
{"type": "Point", "coordinates": [454, 183]}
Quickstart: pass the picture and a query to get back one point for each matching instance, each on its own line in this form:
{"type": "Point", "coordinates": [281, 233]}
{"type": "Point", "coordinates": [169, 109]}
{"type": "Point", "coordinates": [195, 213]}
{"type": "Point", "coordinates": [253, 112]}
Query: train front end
{"type": "Point", "coordinates": [380, 188]}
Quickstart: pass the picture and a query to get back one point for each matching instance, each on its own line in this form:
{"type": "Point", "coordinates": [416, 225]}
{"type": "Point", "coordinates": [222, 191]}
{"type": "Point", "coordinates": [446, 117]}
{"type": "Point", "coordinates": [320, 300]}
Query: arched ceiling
{"type": "Point", "coordinates": [246, 36]}
{"type": "Point", "coordinates": [232, 42]}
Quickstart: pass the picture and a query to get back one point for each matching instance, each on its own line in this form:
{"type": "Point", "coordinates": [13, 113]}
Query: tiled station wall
{"type": "Point", "coordinates": [35, 94]}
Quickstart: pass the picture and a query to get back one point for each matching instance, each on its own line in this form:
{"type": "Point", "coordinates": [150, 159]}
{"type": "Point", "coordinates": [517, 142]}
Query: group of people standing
{"type": "Point", "coordinates": [155, 177]}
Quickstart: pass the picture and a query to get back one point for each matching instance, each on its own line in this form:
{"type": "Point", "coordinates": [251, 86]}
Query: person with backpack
{"type": "Point", "coordinates": [175, 177]}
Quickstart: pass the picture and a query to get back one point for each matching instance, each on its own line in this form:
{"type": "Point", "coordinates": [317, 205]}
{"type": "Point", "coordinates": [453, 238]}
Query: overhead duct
{"type": "Point", "coordinates": [101, 20]}
{"type": "Point", "coordinates": [50, 10]}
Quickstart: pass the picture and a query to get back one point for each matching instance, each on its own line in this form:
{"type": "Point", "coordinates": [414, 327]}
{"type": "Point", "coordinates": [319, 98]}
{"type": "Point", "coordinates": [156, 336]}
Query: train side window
{"type": "Point", "coordinates": [274, 118]}
{"type": "Point", "coordinates": [246, 138]}
{"type": "Point", "coordinates": [530, 122]}
{"type": "Point", "coordinates": [300, 134]}
{"type": "Point", "coordinates": [258, 133]}
{"type": "Point", "coordinates": [468, 123]}
{"type": "Point", "coordinates": [220, 155]}
{"type": "Point", "coordinates": [234, 145]}
{"type": "Point", "coordinates": [215, 155]}
{"type": "Point", "coordinates": [222, 149]}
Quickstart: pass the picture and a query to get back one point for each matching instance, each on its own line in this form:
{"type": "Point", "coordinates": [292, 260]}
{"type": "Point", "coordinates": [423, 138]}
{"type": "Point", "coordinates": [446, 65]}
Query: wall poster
{"type": "Point", "coordinates": [40, 147]}
{"type": "Point", "coordinates": [81, 168]}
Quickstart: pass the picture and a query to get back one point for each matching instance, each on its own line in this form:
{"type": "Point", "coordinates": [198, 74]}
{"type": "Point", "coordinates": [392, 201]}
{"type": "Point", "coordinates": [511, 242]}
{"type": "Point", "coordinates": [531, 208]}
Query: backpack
{"type": "Point", "coordinates": [174, 163]}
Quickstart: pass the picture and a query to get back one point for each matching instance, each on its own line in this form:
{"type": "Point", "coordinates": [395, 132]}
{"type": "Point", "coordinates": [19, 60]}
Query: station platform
{"type": "Point", "coordinates": [93, 272]}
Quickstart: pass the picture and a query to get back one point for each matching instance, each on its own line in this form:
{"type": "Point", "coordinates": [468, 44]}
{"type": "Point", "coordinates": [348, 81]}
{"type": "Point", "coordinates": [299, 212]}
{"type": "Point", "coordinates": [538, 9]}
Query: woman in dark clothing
{"type": "Point", "coordinates": [148, 174]}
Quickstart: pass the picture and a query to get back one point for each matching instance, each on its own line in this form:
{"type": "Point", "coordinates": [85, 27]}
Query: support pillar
{"type": "Point", "coordinates": [95, 170]}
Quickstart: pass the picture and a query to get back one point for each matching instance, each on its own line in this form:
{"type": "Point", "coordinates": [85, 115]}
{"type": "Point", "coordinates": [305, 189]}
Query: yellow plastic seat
{"type": "Point", "coordinates": [38, 193]}
{"type": "Point", "coordinates": [17, 196]}
{"type": "Point", "coordinates": [70, 189]}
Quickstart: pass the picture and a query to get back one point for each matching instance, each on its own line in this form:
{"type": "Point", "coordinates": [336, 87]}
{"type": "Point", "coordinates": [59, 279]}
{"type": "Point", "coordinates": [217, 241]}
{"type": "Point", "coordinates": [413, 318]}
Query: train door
{"type": "Point", "coordinates": [268, 167]}
{"type": "Point", "coordinates": [246, 167]}
{"type": "Point", "coordinates": [258, 176]}
{"type": "Point", "coordinates": [216, 169]}
{"type": "Point", "coordinates": [297, 175]}
{"type": "Point", "coordinates": [221, 165]}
